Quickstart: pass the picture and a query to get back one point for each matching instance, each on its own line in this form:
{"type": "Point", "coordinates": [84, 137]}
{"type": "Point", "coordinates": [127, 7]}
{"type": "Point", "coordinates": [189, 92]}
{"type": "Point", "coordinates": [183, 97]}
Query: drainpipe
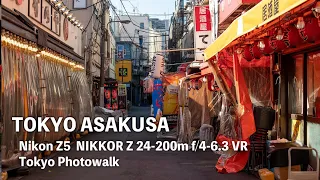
{"type": "Point", "coordinates": [216, 19]}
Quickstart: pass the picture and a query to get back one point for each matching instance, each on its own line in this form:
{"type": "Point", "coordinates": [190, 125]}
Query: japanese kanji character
{"type": "Point", "coordinates": [203, 10]}
{"type": "Point", "coordinates": [203, 18]}
{"type": "Point", "coordinates": [264, 12]}
{"type": "Point", "coordinates": [203, 27]}
{"type": "Point", "coordinates": [276, 6]}
{"type": "Point", "coordinates": [270, 6]}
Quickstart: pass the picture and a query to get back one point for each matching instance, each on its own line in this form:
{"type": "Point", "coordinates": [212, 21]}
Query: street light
{"type": "Point", "coordinates": [102, 51]}
{"type": "Point", "coordinates": [121, 21]}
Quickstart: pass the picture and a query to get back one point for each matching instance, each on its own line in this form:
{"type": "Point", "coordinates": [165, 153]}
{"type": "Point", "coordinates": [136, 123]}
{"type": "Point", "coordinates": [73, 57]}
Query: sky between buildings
{"type": "Point", "coordinates": [152, 7]}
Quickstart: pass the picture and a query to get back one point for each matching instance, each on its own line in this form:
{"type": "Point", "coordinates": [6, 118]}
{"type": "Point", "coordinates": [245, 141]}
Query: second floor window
{"type": "Point", "coordinates": [141, 25]}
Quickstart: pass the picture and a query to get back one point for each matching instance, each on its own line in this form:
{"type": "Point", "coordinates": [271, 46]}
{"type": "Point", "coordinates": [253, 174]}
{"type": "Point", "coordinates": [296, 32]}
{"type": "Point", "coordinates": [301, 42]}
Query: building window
{"type": "Point", "coordinates": [141, 25]}
{"type": "Point", "coordinates": [140, 40]}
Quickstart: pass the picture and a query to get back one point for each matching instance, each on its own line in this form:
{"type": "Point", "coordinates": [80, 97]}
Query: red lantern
{"type": "Point", "coordinates": [148, 85]}
{"type": "Point", "coordinates": [311, 31]}
{"type": "Point", "coordinates": [292, 37]}
{"type": "Point", "coordinates": [265, 46]}
{"type": "Point", "coordinates": [256, 51]}
{"type": "Point", "coordinates": [277, 39]}
{"type": "Point", "coordinates": [247, 53]}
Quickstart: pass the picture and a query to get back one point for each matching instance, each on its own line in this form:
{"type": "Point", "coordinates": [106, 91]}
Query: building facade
{"type": "Point", "coordinates": [91, 20]}
{"type": "Point", "coordinates": [133, 44]}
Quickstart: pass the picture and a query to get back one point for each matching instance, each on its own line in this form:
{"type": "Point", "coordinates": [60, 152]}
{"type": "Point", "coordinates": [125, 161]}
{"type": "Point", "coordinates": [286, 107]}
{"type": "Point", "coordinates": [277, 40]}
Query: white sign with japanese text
{"type": "Point", "coordinates": [202, 34]}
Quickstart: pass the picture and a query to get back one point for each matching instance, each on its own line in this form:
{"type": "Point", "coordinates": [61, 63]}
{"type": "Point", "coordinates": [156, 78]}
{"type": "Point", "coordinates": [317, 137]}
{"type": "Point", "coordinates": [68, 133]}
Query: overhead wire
{"type": "Point", "coordinates": [113, 8]}
{"type": "Point", "coordinates": [93, 40]}
{"type": "Point", "coordinates": [133, 22]}
{"type": "Point", "coordinates": [90, 17]}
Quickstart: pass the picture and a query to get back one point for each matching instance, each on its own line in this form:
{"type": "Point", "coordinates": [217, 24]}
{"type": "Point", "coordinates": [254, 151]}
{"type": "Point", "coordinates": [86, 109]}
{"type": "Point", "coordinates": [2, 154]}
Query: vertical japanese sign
{"type": "Point", "coordinates": [120, 49]}
{"type": "Point", "coordinates": [202, 35]}
{"type": "Point", "coordinates": [122, 96]}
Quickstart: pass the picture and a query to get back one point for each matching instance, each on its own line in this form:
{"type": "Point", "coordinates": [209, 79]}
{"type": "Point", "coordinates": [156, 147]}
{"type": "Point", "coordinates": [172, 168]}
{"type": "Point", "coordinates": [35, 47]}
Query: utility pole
{"type": "Point", "coordinates": [102, 52]}
{"type": "Point", "coordinates": [141, 56]}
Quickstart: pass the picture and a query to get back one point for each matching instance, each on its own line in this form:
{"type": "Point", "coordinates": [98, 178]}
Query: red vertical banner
{"type": "Point", "coordinates": [202, 18]}
{"type": "Point", "coordinates": [245, 111]}
{"type": "Point", "coordinates": [202, 34]}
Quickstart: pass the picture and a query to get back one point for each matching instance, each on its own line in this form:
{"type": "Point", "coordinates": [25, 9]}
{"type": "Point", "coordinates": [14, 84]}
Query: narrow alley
{"type": "Point", "coordinates": [138, 165]}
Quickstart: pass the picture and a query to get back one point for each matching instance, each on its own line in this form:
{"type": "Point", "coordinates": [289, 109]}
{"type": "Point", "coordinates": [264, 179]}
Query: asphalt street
{"type": "Point", "coordinates": [138, 165]}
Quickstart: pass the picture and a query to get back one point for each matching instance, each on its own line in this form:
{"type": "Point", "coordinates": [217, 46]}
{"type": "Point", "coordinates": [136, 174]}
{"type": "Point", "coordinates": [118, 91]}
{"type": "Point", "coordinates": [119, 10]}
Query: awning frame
{"type": "Point", "coordinates": [233, 36]}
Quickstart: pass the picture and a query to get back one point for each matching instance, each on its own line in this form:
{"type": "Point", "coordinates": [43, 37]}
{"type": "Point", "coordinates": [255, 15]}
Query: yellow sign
{"type": "Point", "coordinates": [124, 71]}
{"type": "Point", "coordinates": [122, 90]}
{"type": "Point", "coordinates": [259, 15]}
{"type": "Point", "coordinates": [170, 98]}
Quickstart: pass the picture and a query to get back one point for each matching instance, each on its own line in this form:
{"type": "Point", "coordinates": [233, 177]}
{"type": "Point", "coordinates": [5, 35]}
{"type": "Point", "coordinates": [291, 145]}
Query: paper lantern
{"type": "Point", "coordinates": [256, 51]}
{"type": "Point", "coordinates": [267, 49]}
{"type": "Point", "coordinates": [148, 85]}
{"type": "Point", "coordinates": [247, 53]}
{"type": "Point", "coordinates": [291, 36]}
{"type": "Point", "coordinates": [278, 39]}
{"type": "Point", "coordinates": [157, 66]}
{"type": "Point", "coordinates": [311, 31]}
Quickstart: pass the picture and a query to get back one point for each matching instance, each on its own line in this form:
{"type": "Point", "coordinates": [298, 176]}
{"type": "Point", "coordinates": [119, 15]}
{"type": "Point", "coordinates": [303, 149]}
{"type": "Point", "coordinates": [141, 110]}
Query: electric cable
{"type": "Point", "coordinates": [133, 22]}
{"type": "Point", "coordinates": [113, 8]}
{"type": "Point", "coordinates": [88, 22]}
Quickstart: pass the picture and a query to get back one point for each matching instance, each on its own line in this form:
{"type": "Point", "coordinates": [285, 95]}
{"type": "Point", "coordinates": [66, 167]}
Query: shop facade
{"type": "Point", "coordinates": [42, 72]}
{"type": "Point", "coordinates": [271, 61]}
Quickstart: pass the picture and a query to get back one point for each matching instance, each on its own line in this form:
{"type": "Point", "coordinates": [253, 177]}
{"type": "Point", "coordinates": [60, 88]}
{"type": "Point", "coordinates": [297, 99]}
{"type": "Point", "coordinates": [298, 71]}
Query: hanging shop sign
{"type": "Point", "coordinates": [157, 66]}
{"type": "Point", "coordinates": [148, 85]}
{"type": "Point", "coordinates": [120, 51]}
{"type": "Point", "coordinates": [157, 97]}
{"type": "Point", "coordinates": [124, 71]}
{"type": "Point", "coordinates": [202, 34]}
{"type": "Point", "coordinates": [122, 90]}
{"type": "Point", "coordinates": [122, 96]}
